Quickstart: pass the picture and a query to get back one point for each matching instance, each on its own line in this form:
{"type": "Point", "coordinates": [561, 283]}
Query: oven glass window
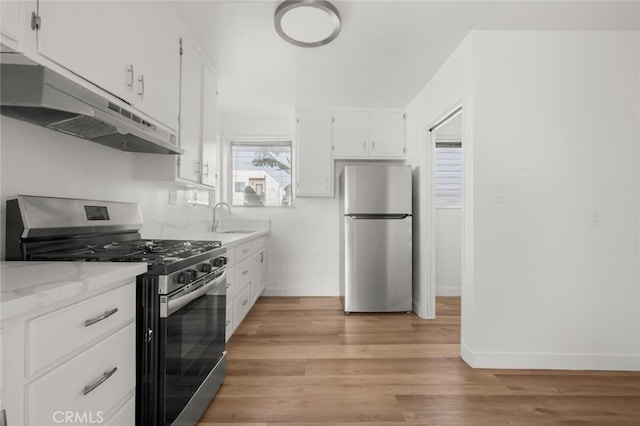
{"type": "Point", "coordinates": [195, 343]}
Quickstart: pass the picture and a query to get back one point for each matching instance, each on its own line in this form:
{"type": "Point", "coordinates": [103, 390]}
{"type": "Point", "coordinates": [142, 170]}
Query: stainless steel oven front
{"type": "Point", "coordinates": [191, 348]}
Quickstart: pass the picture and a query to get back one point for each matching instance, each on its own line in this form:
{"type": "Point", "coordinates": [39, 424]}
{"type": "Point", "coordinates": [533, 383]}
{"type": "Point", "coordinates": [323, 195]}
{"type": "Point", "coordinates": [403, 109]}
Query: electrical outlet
{"type": "Point", "coordinates": [173, 197]}
{"type": "Point", "coordinates": [498, 194]}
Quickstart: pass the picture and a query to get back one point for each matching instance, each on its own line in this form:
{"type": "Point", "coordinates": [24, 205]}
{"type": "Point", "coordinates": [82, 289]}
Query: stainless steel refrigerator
{"type": "Point", "coordinates": [376, 267]}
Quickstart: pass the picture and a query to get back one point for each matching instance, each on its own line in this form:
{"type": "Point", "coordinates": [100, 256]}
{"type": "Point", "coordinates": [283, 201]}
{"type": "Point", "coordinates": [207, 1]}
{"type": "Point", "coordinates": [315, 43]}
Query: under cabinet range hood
{"type": "Point", "coordinates": [41, 96]}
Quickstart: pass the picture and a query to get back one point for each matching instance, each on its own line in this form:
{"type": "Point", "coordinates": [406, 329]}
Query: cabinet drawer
{"type": "Point", "coordinates": [243, 274]}
{"type": "Point", "coordinates": [243, 251]}
{"type": "Point", "coordinates": [63, 388]}
{"type": "Point", "coordinates": [242, 305]}
{"type": "Point", "coordinates": [259, 243]}
{"type": "Point", "coordinates": [231, 256]}
{"type": "Point", "coordinates": [125, 415]}
{"type": "Point", "coordinates": [229, 321]}
{"type": "Point", "coordinates": [231, 286]}
{"type": "Point", "coordinates": [54, 335]}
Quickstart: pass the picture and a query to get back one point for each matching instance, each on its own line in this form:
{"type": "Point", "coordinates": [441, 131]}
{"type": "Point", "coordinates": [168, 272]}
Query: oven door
{"type": "Point", "coordinates": [191, 348]}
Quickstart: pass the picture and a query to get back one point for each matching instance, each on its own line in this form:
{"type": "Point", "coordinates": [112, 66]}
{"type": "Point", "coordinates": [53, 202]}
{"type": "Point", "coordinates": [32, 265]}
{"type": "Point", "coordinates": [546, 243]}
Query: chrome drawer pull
{"type": "Point", "coordinates": [106, 315]}
{"type": "Point", "coordinates": [227, 323]}
{"type": "Point", "coordinates": [100, 381]}
{"type": "Point", "coordinates": [245, 272]}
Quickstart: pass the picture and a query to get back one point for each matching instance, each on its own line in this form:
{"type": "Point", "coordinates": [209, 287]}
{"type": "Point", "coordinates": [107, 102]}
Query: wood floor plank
{"type": "Point", "coordinates": [301, 362]}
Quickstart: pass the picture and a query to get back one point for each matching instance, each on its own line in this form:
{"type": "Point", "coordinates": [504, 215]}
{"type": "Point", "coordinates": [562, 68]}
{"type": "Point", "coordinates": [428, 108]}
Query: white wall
{"type": "Point", "coordinates": [552, 120]}
{"type": "Point", "coordinates": [38, 161]}
{"type": "Point", "coordinates": [449, 88]}
{"type": "Point", "coordinates": [550, 290]}
{"type": "Point", "coordinates": [304, 238]}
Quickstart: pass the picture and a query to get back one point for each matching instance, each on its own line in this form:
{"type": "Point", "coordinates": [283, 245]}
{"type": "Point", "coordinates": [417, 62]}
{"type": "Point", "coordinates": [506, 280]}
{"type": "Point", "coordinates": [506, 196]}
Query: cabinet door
{"type": "Point", "coordinates": [129, 49]}
{"type": "Point", "coordinates": [258, 263]}
{"type": "Point", "coordinates": [387, 135]}
{"type": "Point", "coordinates": [93, 40]}
{"type": "Point", "coordinates": [190, 112]}
{"type": "Point", "coordinates": [350, 134]}
{"type": "Point", "coordinates": [9, 23]}
{"type": "Point", "coordinates": [157, 63]}
{"type": "Point", "coordinates": [210, 128]}
{"type": "Point", "coordinates": [314, 169]}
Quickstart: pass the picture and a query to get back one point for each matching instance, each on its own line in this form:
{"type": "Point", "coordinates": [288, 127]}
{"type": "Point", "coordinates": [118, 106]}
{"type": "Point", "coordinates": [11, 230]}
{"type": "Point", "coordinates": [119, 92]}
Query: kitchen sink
{"type": "Point", "coordinates": [237, 231]}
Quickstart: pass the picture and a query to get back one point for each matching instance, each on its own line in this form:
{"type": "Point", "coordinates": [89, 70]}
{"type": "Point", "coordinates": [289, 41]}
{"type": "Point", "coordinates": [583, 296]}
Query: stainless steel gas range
{"type": "Point", "coordinates": [181, 299]}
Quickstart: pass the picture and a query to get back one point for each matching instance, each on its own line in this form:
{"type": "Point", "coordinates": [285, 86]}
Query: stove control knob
{"type": "Point", "coordinates": [182, 278]}
{"type": "Point", "coordinates": [219, 262]}
{"type": "Point", "coordinates": [205, 267]}
{"type": "Point", "coordinates": [192, 275]}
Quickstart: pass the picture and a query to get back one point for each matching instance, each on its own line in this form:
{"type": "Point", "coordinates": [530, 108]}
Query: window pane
{"type": "Point", "coordinates": [448, 177]}
{"type": "Point", "coordinates": [261, 174]}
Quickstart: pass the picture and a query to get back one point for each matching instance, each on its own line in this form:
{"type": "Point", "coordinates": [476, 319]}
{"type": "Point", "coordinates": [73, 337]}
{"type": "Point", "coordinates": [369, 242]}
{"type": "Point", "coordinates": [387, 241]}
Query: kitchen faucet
{"type": "Point", "coordinates": [214, 225]}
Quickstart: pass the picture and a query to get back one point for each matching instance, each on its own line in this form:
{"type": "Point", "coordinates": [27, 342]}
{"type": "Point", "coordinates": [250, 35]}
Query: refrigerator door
{"type": "Point", "coordinates": [377, 189]}
{"type": "Point", "coordinates": [378, 265]}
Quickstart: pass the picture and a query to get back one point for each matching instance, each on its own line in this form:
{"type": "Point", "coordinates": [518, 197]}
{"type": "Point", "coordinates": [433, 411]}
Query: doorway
{"type": "Point", "coordinates": [446, 203]}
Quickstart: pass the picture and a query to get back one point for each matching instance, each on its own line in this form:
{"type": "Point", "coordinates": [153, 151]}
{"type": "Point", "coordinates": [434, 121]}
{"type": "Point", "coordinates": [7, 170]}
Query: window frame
{"type": "Point", "coordinates": [256, 141]}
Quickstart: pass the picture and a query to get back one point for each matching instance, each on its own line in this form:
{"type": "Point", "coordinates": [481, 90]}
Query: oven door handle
{"type": "Point", "coordinates": [180, 301]}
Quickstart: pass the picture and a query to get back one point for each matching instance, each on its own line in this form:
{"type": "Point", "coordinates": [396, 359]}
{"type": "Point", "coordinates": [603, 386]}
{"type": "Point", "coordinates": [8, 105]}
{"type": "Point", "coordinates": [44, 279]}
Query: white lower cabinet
{"type": "Point", "coordinates": [74, 362]}
{"type": "Point", "coordinates": [89, 385]}
{"type": "Point", "coordinates": [248, 280]}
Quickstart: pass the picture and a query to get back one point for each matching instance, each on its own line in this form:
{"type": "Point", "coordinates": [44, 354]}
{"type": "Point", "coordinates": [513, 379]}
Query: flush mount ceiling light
{"type": "Point", "coordinates": [307, 23]}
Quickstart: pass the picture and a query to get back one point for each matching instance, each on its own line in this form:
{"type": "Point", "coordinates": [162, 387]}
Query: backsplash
{"type": "Point", "coordinates": [38, 161]}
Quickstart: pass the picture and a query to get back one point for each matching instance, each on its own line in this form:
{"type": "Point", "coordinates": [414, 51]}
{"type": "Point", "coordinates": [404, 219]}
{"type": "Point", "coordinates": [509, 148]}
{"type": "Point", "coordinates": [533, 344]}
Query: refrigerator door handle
{"type": "Point", "coordinates": [379, 216]}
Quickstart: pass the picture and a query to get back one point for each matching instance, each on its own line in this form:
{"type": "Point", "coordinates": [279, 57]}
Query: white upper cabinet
{"type": "Point", "coordinates": [191, 84]}
{"type": "Point", "coordinates": [350, 134]}
{"type": "Point", "coordinates": [197, 127]}
{"type": "Point", "coordinates": [209, 128]}
{"type": "Point", "coordinates": [314, 171]}
{"type": "Point", "coordinates": [129, 49]}
{"type": "Point", "coordinates": [367, 135]}
{"type": "Point", "coordinates": [9, 24]}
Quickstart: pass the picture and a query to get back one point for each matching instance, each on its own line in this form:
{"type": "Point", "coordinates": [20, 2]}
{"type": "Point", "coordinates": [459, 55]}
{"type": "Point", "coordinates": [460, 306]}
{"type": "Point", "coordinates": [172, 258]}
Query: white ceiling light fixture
{"type": "Point", "coordinates": [307, 23]}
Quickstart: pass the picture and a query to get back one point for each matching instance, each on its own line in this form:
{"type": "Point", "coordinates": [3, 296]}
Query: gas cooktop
{"type": "Point", "coordinates": [154, 252]}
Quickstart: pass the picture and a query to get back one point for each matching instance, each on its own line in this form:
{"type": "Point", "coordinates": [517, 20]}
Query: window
{"type": "Point", "coordinates": [448, 176]}
{"type": "Point", "coordinates": [261, 173]}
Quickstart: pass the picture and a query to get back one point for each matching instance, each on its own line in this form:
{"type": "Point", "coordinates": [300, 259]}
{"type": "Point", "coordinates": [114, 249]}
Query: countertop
{"type": "Point", "coordinates": [234, 239]}
{"type": "Point", "coordinates": [26, 286]}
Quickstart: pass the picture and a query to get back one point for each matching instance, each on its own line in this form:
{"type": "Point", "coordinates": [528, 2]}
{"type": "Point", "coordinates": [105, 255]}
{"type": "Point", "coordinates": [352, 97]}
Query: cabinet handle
{"type": "Point", "coordinates": [326, 183]}
{"type": "Point", "coordinates": [106, 315]}
{"type": "Point", "coordinates": [373, 145]}
{"type": "Point", "coordinates": [228, 284]}
{"type": "Point", "coordinates": [130, 71]}
{"type": "Point", "coordinates": [262, 257]}
{"type": "Point", "coordinates": [245, 272]}
{"type": "Point", "coordinates": [227, 323]}
{"type": "Point", "coordinates": [203, 168]}
{"type": "Point", "coordinates": [99, 381]}
{"type": "Point", "coordinates": [141, 91]}
{"type": "Point", "coordinates": [245, 250]}
{"type": "Point", "coordinates": [364, 145]}
{"type": "Point", "coordinates": [245, 302]}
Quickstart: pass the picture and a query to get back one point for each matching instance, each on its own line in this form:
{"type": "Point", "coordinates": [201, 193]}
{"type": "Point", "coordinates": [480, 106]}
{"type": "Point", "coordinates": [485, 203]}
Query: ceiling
{"type": "Point", "coordinates": [385, 53]}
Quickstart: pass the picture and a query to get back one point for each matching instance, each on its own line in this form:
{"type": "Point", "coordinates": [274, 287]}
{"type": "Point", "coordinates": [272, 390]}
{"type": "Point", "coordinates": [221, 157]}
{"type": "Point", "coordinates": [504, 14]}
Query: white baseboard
{"type": "Point", "coordinates": [541, 361]}
{"type": "Point", "coordinates": [448, 290]}
{"type": "Point", "coordinates": [301, 292]}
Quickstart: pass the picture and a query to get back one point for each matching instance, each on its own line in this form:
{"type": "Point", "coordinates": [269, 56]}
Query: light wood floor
{"type": "Point", "coordinates": [301, 361]}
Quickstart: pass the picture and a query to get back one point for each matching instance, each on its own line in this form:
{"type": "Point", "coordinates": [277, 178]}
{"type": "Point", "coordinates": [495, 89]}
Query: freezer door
{"type": "Point", "coordinates": [376, 189]}
{"type": "Point", "coordinates": [378, 265]}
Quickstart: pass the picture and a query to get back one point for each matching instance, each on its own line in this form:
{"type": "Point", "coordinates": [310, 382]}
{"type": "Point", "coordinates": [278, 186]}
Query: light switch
{"type": "Point", "coordinates": [595, 218]}
{"type": "Point", "coordinates": [522, 161]}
